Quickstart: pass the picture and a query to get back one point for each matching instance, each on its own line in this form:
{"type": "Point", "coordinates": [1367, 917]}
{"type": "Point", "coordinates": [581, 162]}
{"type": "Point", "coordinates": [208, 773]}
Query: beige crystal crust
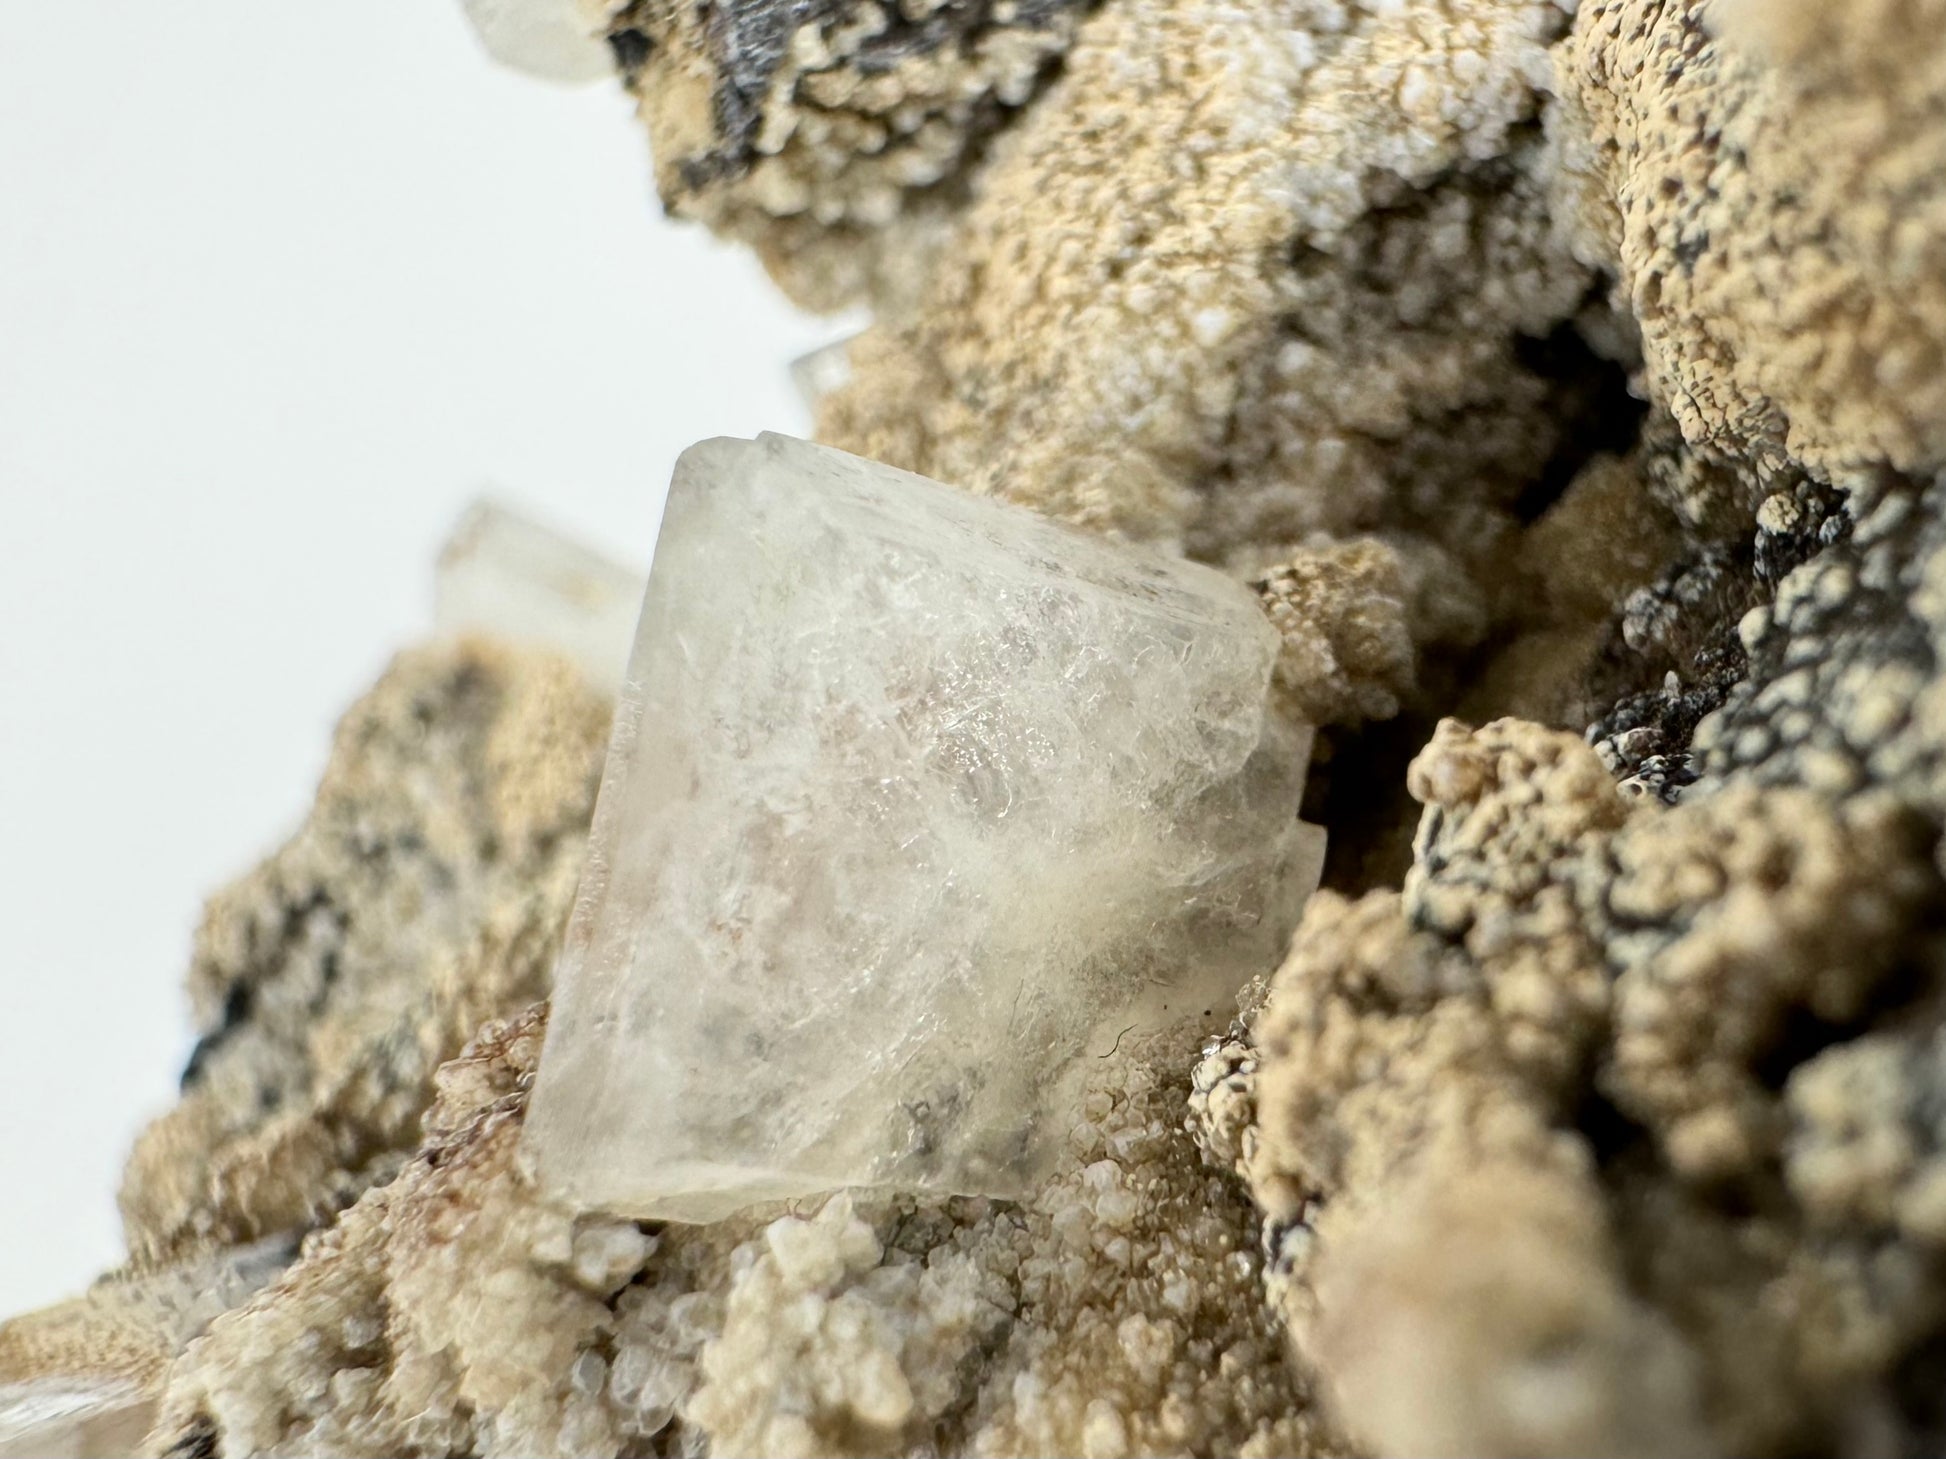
{"type": "Point", "coordinates": [424, 893]}
{"type": "Point", "coordinates": [1565, 381]}
{"type": "Point", "coordinates": [456, 1311]}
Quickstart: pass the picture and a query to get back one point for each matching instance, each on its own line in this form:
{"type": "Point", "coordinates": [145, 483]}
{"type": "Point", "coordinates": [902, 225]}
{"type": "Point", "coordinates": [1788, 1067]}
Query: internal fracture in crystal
{"type": "Point", "coordinates": [916, 802]}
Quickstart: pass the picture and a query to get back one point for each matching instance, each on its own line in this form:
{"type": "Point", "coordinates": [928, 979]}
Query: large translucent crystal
{"type": "Point", "coordinates": [915, 802]}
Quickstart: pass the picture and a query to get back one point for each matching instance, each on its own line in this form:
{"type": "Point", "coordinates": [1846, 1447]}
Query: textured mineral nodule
{"type": "Point", "coordinates": [915, 802]}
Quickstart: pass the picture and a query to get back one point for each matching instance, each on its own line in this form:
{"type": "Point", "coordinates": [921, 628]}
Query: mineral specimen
{"type": "Point", "coordinates": [914, 801]}
{"type": "Point", "coordinates": [1569, 370]}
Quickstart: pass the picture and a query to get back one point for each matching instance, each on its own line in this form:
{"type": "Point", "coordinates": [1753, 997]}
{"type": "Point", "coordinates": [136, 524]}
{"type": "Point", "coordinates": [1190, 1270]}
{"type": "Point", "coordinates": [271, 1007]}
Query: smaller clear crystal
{"type": "Point", "coordinates": [822, 371]}
{"type": "Point", "coordinates": [505, 576]}
{"type": "Point", "coordinates": [544, 38]}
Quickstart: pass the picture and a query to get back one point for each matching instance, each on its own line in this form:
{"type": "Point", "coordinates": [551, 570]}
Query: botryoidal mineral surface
{"type": "Point", "coordinates": [1568, 381]}
{"type": "Point", "coordinates": [915, 802]}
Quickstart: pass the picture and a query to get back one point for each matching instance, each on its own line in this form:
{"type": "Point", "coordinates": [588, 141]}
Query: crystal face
{"type": "Point", "coordinates": [915, 801]}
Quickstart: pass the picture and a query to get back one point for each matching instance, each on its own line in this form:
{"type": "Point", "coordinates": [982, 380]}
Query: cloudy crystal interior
{"type": "Point", "coordinates": [915, 802]}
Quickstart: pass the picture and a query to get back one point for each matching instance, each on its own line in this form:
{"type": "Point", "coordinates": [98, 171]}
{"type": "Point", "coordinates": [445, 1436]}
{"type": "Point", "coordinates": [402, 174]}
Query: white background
{"type": "Point", "coordinates": [282, 286]}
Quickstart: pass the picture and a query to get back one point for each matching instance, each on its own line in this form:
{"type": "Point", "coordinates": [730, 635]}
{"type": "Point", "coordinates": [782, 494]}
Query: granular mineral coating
{"type": "Point", "coordinates": [915, 803]}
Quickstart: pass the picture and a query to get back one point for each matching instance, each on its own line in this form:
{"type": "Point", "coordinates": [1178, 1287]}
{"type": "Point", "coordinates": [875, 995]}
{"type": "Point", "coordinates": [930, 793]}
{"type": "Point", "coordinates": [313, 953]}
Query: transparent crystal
{"type": "Point", "coordinates": [916, 802]}
{"type": "Point", "coordinates": [545, 38]}
{"type": "Point", "coordinates": [822, 371]}
{"type": "Point", "coordinates": [72, 1418]}
{"type": "Point", "coordinates": [505, 576]}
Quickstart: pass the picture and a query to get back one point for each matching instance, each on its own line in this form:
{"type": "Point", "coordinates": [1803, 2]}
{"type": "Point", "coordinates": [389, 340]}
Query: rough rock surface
{"type": "Point", "coordinates": [1773, 206]}
{"type": "Point", "coordinates": [833, 135]}
{"type": "Point", "coordinates": [454, 1311]}
{"type": "Point", "coordinates": [130, 1325]}
{"type": "Point", "coordinates": [425, 893]}
{"type": "Point", "coordinates": [1193, 344]}
{"type": "Point", "coordinates": [1522, 1132]}
{"type": "Point", "coordinates": [1577, 370]}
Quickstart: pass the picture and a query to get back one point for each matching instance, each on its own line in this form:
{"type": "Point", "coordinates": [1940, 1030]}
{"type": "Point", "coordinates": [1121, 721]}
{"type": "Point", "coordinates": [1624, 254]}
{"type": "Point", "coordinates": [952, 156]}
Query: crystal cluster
{"type": "Point", "coordinates": [916, 802]}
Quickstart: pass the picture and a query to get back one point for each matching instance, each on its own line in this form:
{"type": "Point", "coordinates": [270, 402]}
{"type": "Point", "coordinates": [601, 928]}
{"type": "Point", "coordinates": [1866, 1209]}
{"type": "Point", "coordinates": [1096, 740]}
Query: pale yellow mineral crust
{"type": "Point", "coordinates": [80, 1378]}
{"type": "Point", "coordinates": [425, 893]}
{"type": "Point", "coordinates": [454, 1311]}
{"type": "Point", "coordinates": [1117, 334]}
{"type": "Point", "coordinates": [1427, 1064]}
{"type": "Point", "coordinates": [1772, 203]}
{"type": "Point", "coordinates": [1344, 620]}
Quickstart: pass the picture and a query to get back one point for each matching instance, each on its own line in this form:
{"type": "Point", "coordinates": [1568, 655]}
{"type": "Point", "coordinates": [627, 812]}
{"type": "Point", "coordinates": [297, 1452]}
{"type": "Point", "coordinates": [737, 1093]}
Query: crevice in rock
{"type": "Point", "coordinates": [237, 1006]}
{"type": "Point", "coordinates": [1674, 654]}
{"type": "Point", "coordinates": [1592, 408]}
{"type": "Point", "coordinates": [1357, 790]}
{"type": "Point", "coordinates": [199, 1439]}
{"type": "Point", "coordinates": [1612, 1136]}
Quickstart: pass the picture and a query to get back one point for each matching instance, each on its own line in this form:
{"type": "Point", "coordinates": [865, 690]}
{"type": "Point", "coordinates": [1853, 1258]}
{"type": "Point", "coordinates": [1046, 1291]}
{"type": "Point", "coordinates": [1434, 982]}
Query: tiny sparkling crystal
{"type": "Point", "coordinates": [915, 802]}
